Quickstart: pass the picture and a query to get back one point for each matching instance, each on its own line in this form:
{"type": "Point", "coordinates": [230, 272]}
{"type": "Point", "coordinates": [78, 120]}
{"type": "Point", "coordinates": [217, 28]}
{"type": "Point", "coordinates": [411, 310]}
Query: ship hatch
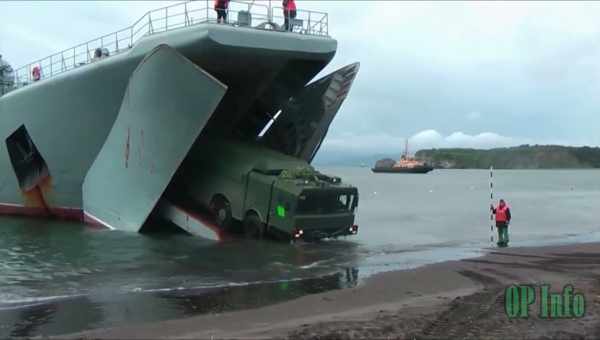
{"type": "Point", "coordinates": [28, 164]}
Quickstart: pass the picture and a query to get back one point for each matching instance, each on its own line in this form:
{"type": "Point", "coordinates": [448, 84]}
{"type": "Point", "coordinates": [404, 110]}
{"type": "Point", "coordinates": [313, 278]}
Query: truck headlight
{"type": "Point", "coordinates": [298, 233]}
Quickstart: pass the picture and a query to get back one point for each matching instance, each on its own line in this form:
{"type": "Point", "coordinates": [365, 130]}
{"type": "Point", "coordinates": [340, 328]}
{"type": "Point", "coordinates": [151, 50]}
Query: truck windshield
{"type": "Point", "coordinates": [325, 202]}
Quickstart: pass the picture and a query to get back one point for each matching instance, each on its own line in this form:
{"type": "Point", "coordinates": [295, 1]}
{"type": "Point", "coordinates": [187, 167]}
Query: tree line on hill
{"type": "Point", "coordinates": [520, 157]}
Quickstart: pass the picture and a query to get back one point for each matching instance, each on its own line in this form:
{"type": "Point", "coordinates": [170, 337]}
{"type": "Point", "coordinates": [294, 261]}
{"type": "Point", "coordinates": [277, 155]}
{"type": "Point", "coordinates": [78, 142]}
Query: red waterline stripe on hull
{"type": "Point", "coordinates": [63, 213]}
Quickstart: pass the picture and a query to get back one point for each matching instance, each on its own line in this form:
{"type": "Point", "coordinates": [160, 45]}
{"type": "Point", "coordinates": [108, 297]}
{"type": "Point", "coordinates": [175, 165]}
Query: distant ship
{"type": "Point", "coordinates": [406, 164]}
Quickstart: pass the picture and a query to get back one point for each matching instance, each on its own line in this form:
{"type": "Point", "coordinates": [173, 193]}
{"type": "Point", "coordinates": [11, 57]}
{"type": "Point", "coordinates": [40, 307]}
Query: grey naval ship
{"type": "Point", "coordinates": [210, 126]}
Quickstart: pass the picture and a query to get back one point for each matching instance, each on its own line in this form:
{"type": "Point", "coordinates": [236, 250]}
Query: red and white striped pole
{"type": "Point", "coordinates": [491, 205]}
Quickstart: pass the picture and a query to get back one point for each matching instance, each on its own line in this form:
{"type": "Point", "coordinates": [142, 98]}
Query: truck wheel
{"type": "Point", "coordinates": [222, 212]}
{"type": "Point", "coordinates": [253, 226]}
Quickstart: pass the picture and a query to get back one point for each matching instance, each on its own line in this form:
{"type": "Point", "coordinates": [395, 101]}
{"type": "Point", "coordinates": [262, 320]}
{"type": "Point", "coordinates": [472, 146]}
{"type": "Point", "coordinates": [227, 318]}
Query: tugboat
{"type": "Point", "coordinates": [406, 164]}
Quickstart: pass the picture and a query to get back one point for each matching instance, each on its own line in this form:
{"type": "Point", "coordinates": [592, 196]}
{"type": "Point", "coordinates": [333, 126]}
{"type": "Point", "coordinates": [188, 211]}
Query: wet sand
{"type": "Point", "coordinates": [455, 299]}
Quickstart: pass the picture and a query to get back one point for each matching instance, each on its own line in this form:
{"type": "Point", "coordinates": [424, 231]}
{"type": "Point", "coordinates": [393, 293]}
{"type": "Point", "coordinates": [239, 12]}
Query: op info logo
{"type": "Point", "coordinates": [566, 304]}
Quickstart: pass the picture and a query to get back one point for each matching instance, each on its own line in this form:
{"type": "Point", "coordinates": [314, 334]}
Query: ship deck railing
{"type": "Point", "coordinates": [180, 15]}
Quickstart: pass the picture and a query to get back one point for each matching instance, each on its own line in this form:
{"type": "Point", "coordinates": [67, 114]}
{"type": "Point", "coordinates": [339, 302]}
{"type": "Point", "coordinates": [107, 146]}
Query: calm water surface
{"type": "Point", "coordinates": [58, 277]}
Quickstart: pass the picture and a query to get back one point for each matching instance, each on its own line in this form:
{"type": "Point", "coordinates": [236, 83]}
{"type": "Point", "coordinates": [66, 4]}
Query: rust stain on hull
{"type": "Point", "coordinates": [36, 196]}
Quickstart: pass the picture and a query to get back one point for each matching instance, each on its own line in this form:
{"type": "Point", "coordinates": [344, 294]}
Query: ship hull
{"type": "Point", "coordinates": [68, 118]}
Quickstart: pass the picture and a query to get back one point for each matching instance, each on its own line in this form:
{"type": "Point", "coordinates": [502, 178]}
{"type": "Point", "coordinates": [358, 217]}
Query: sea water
{"type": "Point", "coordinates": [58, 277]}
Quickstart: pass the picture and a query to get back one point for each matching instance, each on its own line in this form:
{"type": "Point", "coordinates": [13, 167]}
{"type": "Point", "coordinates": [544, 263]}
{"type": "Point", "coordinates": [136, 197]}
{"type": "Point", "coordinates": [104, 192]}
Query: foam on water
{"type": "Point", "coordinates": [8, 302]}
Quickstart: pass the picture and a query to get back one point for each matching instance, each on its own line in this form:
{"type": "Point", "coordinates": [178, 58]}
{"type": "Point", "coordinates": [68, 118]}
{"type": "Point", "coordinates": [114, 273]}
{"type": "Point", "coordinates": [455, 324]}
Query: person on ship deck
{"type": "Point", "coordinates": [289, 13]}
{"type": "Point", "coordinates": [6, 76]}
{"type": "Point", "coordinates": [221, 7]}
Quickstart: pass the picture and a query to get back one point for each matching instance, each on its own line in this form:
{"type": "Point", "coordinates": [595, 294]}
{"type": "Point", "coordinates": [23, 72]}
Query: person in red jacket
{"type": "Point", "coordinates": [36, 73]}
{"type": "Point", "coordinates": [502, 212]}
{"type": "Point", "coordinates": [289, 12]}
{"type": "Point", "coordinates": [221, 7]}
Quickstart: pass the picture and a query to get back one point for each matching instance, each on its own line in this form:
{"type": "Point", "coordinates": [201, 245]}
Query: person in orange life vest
{"type": "Point", "coordinates": [502, 212]}
{"type": "Point", "coordinates": [289, 12]}
{"type": "Point", "coordinates": [221, 9]}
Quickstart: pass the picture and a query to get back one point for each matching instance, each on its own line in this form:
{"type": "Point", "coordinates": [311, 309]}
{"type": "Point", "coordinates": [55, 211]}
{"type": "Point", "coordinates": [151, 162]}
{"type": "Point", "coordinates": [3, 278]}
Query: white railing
{"type": "Point", "coordinates": [172, 17]}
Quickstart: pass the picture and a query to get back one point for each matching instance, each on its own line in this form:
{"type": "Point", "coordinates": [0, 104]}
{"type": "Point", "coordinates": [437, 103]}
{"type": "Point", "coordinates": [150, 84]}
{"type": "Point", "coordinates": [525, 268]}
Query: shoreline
{"type": "Point", "coordinates": [462, 298]}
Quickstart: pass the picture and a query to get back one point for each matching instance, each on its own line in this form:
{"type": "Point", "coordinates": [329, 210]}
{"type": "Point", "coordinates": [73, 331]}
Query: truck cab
{"type": "Point", "coordinates": [250, 188]}
{"type": "Point", "coordinates": [300, 203]}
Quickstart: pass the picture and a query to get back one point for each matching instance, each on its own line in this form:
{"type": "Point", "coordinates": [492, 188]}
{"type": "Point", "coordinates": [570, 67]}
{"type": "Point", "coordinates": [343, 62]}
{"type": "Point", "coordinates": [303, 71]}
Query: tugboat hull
{"type": "Point", "coordinates": [416, 170]}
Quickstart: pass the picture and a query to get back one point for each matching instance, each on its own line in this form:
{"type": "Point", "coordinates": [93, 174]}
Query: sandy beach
{"type": "Point", "coordinates": [455, 299]}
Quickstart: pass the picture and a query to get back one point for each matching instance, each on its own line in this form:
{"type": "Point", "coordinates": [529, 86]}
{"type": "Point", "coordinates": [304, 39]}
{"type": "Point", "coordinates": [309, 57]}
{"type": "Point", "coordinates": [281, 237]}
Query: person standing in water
{"type": "Point", "coordinates": [502, 212]}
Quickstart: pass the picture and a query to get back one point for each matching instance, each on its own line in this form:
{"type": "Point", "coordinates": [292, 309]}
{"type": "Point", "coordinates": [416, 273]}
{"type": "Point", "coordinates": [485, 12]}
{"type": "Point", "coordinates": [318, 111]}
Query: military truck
{"type": "Point", "coordinates": [261, 192]}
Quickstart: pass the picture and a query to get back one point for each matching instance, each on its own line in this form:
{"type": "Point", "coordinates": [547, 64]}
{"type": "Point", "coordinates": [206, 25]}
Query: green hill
{"type": "Point", "coordinates": [521, 157]}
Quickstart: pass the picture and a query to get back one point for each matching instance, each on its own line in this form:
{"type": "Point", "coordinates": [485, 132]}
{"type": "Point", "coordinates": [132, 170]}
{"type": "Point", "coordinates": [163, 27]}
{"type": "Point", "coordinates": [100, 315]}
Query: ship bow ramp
{"type": "Point", "coordinates": [168, 102]}
{"type": "Point", "coordinates": [305, 118]}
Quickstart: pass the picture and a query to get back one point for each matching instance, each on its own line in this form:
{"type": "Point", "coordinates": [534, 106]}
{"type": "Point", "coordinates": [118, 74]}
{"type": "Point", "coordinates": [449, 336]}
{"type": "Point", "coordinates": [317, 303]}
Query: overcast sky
{"type": "Point", "coordinates": [475, 74]}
